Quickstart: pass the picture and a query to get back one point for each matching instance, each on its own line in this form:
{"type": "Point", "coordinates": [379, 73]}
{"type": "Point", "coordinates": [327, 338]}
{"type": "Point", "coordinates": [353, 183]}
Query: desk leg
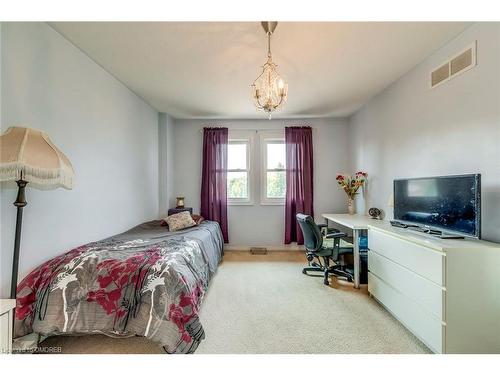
{"type": "Point", "coordinates": [355, 234]}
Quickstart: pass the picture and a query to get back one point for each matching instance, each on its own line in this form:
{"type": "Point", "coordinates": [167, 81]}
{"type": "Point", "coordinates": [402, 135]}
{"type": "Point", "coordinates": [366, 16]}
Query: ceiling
{"type": "Point", "coordinates": [205, 69]}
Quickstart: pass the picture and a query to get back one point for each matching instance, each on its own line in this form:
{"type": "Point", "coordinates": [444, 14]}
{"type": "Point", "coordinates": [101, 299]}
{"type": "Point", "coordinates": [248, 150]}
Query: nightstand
{"type": "Point", "coordinates": [172, 211]}
{"type": "Point", "coordinates": [6, 320]}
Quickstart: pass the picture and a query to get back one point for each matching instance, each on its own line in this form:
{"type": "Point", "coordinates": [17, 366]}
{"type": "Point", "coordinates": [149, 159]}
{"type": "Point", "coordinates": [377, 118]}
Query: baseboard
{"type": "Point", "coordinates": [292, 247]}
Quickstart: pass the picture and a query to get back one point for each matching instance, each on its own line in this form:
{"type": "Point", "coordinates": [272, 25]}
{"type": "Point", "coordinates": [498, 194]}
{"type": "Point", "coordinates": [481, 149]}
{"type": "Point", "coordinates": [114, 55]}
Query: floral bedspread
{"type": "Point", "coordinates": [147, 282]}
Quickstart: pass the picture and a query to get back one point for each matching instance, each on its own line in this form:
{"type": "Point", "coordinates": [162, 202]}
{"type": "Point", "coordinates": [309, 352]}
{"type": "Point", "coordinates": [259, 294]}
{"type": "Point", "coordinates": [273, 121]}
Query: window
{"type": "Point", "coordinates": [238, 171]}
{"type": "Point", "coordinates": [273, 179]}
{"type": "Point", "coordinates": [241, 176]}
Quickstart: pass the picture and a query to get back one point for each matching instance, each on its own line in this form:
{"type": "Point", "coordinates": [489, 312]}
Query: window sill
{"type": "Point", "coordinates": [233, 203]}
{"type": "Point", "coordinates": [271, 203]}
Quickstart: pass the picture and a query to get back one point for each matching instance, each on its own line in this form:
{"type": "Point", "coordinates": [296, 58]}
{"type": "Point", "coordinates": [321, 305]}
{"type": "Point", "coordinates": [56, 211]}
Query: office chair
{"type": "Point", "coordinates": [315, 249]}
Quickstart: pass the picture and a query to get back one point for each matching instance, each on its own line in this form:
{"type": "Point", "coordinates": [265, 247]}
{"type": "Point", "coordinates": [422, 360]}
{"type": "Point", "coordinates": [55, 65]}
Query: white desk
{"type": "Point", "coordinates": [357, 223]}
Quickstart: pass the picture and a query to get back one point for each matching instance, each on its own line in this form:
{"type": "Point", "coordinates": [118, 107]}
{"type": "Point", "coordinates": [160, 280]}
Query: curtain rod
{"type": "Point", "coordinates": [255, 129]}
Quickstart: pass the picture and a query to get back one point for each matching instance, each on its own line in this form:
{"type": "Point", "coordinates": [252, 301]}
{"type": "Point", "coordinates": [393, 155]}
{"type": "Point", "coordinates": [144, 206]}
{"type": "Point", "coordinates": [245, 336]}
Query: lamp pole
{"type": "Point", "coordinates": [19, 203]}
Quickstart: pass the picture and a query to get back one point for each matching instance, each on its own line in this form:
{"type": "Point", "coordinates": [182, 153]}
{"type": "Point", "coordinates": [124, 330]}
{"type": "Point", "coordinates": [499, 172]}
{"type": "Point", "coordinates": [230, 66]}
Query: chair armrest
{"type": "Point", "coordinates": [332, 230]}
{"type": "Point", "coordinates": [336, 235]}
{"type": "Point", "coordinates": [345, 250]}
{"type": "Point", "coordinates": [321, 226]}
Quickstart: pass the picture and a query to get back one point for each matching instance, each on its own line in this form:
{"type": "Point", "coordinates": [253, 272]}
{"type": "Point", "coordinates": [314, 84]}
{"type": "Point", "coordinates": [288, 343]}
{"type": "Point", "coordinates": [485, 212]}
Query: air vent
{"type": "Point", "coordinates": [458, 64]}
{"type": "Point", "coordinates": [258, 250]}
{"type": "Point", "coordinates": [461, 62]}
{"type": "Point", "coordinates": [440, 74]}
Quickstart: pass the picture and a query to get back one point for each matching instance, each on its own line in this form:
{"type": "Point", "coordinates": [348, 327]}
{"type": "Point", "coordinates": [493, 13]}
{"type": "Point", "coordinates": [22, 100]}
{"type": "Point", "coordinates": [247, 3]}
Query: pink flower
{"type": "Point", "coordinates": [186, 310]}
{"type": "Point", "coordinates": [25, 305]}
{"type": "Point", "coordinates": [177, 316]}
{"type": "Point", "coordinates": [104, 281]}
{"type": "Point", "coordinates": [39, 279]}
{"type": "Point", "coordinates": [114, 295]}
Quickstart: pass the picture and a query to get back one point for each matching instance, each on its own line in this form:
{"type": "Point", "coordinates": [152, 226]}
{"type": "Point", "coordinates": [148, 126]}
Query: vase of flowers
{"type": "Point", "coordinates": [351, 186]}
{"type": "Point", "coordinates": [350, 206]}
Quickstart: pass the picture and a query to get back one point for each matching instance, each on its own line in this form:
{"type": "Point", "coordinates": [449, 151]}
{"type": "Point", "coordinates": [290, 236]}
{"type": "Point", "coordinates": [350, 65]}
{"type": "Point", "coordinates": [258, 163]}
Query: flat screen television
{"type": "Point", "coordinates": [449, 204]}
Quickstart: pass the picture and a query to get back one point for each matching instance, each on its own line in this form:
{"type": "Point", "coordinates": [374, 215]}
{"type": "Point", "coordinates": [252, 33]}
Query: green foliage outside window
{"type": "Point", "coordinates": [237, 185]}
{"type": "Point", "coordinates": [276, 183]}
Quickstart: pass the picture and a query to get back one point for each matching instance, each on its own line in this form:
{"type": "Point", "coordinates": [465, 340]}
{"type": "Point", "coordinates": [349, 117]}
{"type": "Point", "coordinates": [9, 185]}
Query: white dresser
{"type": "Point", "coordinates": [6, 316]}
{"type": "Point", "coordinates": [447, 292]}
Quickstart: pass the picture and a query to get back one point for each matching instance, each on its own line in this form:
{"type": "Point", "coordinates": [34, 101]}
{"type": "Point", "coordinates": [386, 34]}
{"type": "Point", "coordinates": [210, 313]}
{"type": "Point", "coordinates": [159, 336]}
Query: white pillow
{"type": "Point", "coordinates": [180, 221]}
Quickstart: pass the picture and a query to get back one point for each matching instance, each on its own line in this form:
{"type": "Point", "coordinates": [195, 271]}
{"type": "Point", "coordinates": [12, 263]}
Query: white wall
{"type": "Point", "coordinates": [109, 134]}
{"type": "Point", "coordinates": [3, 288]}
{"type": "Point", "coordinates": [166, 162]}
{"type": "Point", "coordinates": [259, 225]}
{"type": "Point", "coordinates": [410, 130]}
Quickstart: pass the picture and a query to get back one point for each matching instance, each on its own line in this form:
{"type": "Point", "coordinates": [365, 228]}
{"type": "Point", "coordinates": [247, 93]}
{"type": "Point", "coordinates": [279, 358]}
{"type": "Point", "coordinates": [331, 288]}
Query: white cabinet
{"type": "Point", "coordinates": [426, 262]}
{"type": "Point", "coordinates": [423, 325]}
{"type": "Point", "coordinates": [6, 316]}
{"type": "Point", "coordinates": [427, 294]}
{"type": "Point", "coordinates": [445, 291]}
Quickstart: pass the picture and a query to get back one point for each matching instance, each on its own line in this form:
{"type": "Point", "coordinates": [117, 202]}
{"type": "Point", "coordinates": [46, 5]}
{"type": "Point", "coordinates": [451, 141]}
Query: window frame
{"type": "Point", "coordinates": [265, 139]}
{"type": "Point", "coordinates": [241, 138]}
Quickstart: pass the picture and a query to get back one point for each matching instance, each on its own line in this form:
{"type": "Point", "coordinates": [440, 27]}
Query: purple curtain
{"type": "Point", "coordinates": [299, 180]}
{"type": "Point", "coordinates": [214, 178]}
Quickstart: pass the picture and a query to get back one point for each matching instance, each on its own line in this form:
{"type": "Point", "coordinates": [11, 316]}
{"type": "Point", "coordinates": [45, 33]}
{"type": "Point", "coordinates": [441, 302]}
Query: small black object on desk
{"type": "Point", "coordinates": [172, 211]}
{"type": "Point", "coordinates": [398, 224]}
{"type": "Point", "coordinates": [375, 213]}
{"type": "Point", "coordinates": [432, 232]}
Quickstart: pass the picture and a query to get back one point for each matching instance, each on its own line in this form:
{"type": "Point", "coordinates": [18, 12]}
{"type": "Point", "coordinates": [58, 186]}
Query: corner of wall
{"type": "Point", "coordinates": [165, 162]}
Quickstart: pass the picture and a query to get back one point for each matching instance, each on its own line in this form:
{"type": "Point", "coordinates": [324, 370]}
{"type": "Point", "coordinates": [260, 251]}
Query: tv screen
{"type": "Point", "coordinates": [448, 204]}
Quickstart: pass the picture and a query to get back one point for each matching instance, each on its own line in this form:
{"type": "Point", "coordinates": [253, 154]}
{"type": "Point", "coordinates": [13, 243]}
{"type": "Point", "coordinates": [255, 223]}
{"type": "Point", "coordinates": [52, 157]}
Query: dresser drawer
{"type": "Point", "coordinates": [419, 259]}
{"type": "Point", "coordinates": [423, 324]}
{"type": "Point", "coordinates": [417, 288]}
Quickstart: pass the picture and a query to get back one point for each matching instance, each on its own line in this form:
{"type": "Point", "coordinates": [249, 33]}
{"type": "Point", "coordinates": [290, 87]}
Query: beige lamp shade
{"type": "Point", "coordinates": [29, 154]}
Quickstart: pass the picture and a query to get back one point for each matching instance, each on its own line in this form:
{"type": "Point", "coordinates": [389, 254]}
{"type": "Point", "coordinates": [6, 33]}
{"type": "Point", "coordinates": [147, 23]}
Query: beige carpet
{"type": "Point", "coordinates": [264, 304]}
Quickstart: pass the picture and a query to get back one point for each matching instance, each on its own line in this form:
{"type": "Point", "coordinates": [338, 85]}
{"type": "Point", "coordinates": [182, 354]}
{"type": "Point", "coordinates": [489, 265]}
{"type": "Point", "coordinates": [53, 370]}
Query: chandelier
{"type": "Point", "coordinates": [269, 89]}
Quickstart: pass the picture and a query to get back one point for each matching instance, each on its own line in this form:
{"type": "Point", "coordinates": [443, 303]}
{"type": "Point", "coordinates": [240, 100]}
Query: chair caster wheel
{"type": "Point", "coordinates": [304, 272]}
{"type": "Point", "coordinates": [326, 282]}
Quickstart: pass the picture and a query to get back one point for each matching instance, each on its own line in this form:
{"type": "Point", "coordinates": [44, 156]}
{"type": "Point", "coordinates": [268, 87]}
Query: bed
{"type": "Point", "coordinates": [146, 281]}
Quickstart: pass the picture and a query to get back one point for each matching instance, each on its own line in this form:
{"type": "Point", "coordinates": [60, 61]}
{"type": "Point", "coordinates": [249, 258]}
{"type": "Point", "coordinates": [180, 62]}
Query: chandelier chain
{"type": "Point", "coordinates": [269, 44]}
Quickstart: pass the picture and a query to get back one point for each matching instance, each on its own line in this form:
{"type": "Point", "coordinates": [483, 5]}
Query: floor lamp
{"type": "Point", "coordinates": [28, 156]}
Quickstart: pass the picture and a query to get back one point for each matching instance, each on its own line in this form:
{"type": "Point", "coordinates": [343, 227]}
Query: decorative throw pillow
{"type": "Point", "coordinates": [180, 221]}
{"type": "Point", "coordinates": [198, 218]}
